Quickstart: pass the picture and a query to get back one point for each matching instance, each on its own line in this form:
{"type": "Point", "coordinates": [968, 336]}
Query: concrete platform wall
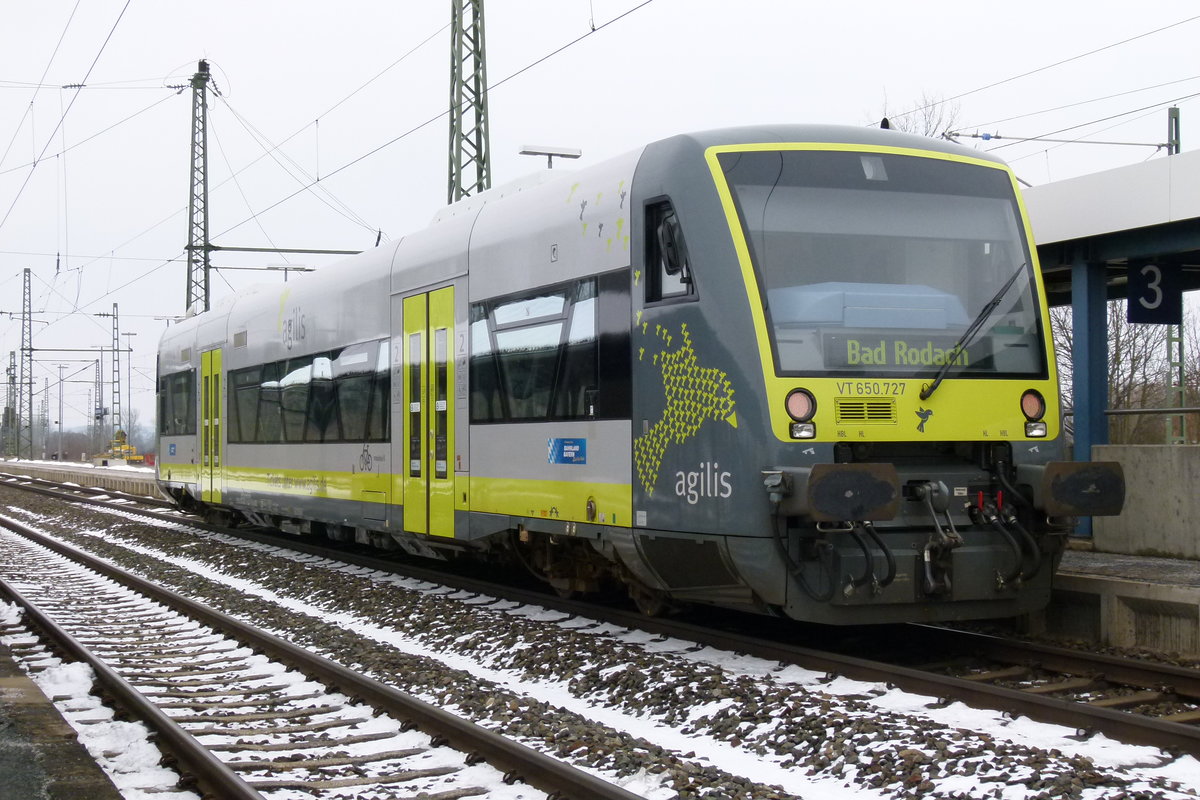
{"type": "Point", "coordinates": [132, 481]}
{"type": "Point", "coordinates": [1162, 501]}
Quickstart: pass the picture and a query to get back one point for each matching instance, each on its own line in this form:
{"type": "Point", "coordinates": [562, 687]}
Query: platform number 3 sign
{"type": "Point", "coordinates": [1155, 295]}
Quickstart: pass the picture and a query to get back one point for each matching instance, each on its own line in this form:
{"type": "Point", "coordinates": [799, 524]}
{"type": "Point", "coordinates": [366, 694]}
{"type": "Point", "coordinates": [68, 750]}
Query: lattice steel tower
{"type": "Point", "coordinates": [98, 412]}
{"type": "Point", "coordinates": [116, 372]}
{"type": "Point", "coordinates": [25, 403]}
{"type": "Point", "coordinates": [470, 151]}
{"type": "Point", "coordinates": [44, 417]}
{"type": "Point", "coordinates": [197, 247]}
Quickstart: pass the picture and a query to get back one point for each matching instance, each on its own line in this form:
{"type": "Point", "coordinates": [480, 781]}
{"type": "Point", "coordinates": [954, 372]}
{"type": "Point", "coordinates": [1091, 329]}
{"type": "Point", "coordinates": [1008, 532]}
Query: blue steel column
{"type": "Point", "coordinates": [1090, 345]}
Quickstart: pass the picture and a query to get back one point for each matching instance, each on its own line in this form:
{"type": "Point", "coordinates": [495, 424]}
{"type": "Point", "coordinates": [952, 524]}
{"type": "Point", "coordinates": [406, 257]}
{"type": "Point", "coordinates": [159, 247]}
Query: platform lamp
{"type": "Point", "coordinates": [550, 153]}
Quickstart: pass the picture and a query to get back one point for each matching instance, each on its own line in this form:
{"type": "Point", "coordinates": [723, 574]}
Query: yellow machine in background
{"type": "Point", "coordinates": [120, 451]}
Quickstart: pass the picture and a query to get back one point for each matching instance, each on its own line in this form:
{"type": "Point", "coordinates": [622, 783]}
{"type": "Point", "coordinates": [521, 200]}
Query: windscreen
{"type": "Point", "coordinates": [878, 264]}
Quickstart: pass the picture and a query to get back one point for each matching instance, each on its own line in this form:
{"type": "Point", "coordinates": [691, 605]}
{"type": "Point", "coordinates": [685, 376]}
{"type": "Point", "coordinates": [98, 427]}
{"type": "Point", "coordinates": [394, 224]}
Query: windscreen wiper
{"type": "Point", "coordinates": [969, 334]}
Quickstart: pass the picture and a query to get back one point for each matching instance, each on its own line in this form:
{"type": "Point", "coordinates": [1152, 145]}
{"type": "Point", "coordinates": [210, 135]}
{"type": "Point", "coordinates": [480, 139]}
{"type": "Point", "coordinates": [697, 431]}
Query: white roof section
{"type": "Point", "coordinates": [1138, 196]}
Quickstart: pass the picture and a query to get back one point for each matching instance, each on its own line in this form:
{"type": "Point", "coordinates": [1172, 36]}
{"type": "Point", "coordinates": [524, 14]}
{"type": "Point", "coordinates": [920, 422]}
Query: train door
{"type": "Point", "coordinates": [210, 426]}
{"type": "Point", "coordinates": [427, 376]}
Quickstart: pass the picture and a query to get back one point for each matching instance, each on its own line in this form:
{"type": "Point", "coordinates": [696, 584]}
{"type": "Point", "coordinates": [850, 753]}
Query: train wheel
{"type": "Point", "coordinates": [651, 602]}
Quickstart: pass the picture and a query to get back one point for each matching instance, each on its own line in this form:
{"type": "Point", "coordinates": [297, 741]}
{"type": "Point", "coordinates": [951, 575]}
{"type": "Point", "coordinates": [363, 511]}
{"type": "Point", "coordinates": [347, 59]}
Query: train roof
{"type": "Point", "coordinates": [828, 134]}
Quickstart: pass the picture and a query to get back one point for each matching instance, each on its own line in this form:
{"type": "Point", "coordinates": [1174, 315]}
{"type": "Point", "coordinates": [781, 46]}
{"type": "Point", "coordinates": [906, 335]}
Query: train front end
{"type": "Point", "coordinates": [877, 341]}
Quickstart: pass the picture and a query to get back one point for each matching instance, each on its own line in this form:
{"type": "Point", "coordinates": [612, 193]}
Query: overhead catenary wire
{"type": "Point", "coordinates": [98, 133]}
{"type": "Point", "coordinates": [1152, 107]}
{"type": "Point", "coordinates": [181, 255]}
{"type": "Point", "coordinates": [440, 115]}
{"type": "Point", "coordinates": [313, 182]}
{"type": "Point", "coordinates": [1059, 63]}
{"type": "Point", "coordinates": [268, 152]}
{"type": "Point", "coordinates": [1056, 145]}
{"type": "Point", "coordinates": [62, 118]}
{"type": "Point", "coordinates": [238, 184]}
{"type": "Point", "coordinates": [1076, 104]}
{"type": "Point", "coordinates": [183, 209]}
{"type": "Point", "coordinates": [38, 86]}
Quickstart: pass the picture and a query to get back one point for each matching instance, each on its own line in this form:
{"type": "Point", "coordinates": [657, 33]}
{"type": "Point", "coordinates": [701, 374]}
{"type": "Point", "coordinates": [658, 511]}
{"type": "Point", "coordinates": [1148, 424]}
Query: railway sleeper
{"type": "Point", "coordinates": [1137, 698]}
{"type": "Point", "coordinates": [1081, 684]}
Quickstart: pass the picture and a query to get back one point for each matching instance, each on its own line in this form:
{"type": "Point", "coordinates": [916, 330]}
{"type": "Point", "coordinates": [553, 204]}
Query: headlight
{"type": "Point", "coordinates": [803, 430]}
{"type": "Point", "coordinates": [800, 405]}
{"type": "Point", "coordinates": [1033, 405]}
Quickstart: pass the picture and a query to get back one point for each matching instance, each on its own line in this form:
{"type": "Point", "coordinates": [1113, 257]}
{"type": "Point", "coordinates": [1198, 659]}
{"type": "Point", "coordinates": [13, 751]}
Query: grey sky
{"type": "Point", "coordinates": [110, 214]}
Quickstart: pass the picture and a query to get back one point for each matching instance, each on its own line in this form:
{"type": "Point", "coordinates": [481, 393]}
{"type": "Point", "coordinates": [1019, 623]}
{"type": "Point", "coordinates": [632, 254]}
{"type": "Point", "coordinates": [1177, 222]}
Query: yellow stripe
{"type": "Point", "coordinates": [995, 405]}
{"type": "Point", "coordinates": [307, 482]}
{"type": "Point", "coordinates": [562, 500]}
{"type": "Point", "coordinates": [180, 473]}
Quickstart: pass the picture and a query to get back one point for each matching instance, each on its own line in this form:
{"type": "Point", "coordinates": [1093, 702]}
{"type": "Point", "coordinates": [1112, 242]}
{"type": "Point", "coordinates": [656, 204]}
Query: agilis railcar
{"type": "Point", "coordinates": [801, 370]}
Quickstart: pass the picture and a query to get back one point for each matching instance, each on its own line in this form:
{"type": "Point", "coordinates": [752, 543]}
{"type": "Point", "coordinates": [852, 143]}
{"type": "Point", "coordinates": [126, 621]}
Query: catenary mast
{"type": "Point", "coordinates": [197, 246]}
{"type": "Point", "coordinates": [470, 151]}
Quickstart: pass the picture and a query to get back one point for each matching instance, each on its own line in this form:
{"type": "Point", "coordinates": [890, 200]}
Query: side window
{"type": "Point", "coordinates": [270, 411]}
{"type": "Point", "coordinates": [243, 407]}
{"type": "Point", "coordinates": [534, 356]}
{"type": "Point", "coordinates": [177, 404]}
{"type": "Point", "coordinates": [337, 396]}
{"type": "Point", "coordinates": [668, 270]}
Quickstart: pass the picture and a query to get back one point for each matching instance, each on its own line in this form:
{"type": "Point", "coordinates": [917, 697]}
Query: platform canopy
{"type": "Point", "coordinates": [1131, 232]}
{"type": "Point", "coordinates": [1143, 213]}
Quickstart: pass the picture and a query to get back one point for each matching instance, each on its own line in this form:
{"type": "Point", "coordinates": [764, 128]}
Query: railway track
{"type": "Point", "coordinates": [1130, 700]}
{"type": "Point", "coordinates": [250, 715]}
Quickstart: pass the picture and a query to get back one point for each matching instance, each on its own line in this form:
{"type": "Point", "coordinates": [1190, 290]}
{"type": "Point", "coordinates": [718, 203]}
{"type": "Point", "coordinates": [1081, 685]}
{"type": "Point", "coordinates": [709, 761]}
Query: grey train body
{"type": "Point", "coordinates": [701, 371]}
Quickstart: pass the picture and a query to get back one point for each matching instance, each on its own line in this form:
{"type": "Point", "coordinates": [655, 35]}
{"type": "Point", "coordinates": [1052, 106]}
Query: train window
{"type": "Point", "coordinates": [877, 264]}
{"type": "Point", "coordinates": [294, 399]}
{"type": "Point", "coordinates": [321, 423]}
{"type": "Point", "coordinates": [534, 356]}
{"type": "Point", "coordinates": [177, 404]}
{"type": "Point", "coordinates": [269, 426]}
{"type": "Point", "coordinates": [337, 396]}
{"type": "Point", "coordinates": [352, 380]}
{"type": "Point", "coordinates": [668, 270]}
{"type": "Point", "coordinates": [243, 406]}
{"type": "Point", "coordinates": [416, 455]}
{"type": "Point", "coordinates": [378, 413]}
{"type": "Point", "coordinates": [440, 406]}
{"type": "Point", "coordinates": [577, 388]}
{"type": "Point", "coordinates": [487, 401]}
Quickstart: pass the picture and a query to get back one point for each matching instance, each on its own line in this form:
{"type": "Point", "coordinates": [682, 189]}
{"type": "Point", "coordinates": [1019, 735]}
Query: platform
{"type": "Point", "coordinates": [40, 756]}
{"type": "Point", "coordinates": [1127, 601]}
{"type": "Point", "coordinates": [132, 480]}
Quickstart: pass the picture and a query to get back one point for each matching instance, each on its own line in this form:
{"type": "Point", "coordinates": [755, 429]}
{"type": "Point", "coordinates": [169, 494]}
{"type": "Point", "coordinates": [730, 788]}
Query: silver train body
{"type": "Point", "coordinates": [797, 370]}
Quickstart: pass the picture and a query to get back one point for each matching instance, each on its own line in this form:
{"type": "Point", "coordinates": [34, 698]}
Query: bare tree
{"type": "Point", "coordinates": [1138, 374]}
{"type": "Point", "coordinates": [932, 117]}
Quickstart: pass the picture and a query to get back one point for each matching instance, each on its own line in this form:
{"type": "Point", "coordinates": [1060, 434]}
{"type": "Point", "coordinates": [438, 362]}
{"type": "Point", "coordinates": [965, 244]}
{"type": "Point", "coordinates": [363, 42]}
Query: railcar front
{"type": "Point", "coordinates": [845, 389]}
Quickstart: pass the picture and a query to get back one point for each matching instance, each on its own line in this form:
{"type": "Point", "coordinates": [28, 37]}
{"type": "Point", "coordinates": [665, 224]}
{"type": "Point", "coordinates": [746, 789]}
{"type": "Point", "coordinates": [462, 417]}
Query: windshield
{"type": "Point", "coordinates": [873, 263]}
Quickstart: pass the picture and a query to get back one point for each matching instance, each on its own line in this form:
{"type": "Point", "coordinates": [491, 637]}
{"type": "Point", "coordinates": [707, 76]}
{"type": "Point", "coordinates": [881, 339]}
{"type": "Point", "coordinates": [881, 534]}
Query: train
{"type": "Point", "coordinates": [800, 370]}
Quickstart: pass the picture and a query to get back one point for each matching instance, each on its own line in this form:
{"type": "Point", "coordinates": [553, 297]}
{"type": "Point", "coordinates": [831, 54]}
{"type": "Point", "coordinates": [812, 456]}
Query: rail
{"type": "Point", "coordinates": [512, 758]}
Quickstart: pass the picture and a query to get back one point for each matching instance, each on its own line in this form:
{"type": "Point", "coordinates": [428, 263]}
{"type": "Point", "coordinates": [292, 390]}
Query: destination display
{"type": "Point", "coordinates": [900, 352]}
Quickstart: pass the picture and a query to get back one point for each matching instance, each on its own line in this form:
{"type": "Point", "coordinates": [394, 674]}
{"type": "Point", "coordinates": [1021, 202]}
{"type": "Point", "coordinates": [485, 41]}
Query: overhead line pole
{"type": "Point", "coordinates": [25, 405]}
{"type": "Point", "coordinates": [469, 141]}
{"type": "Point", "coordinates": [197, 246]}
{"type": "Point", "coordinates": [1176, 432]}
